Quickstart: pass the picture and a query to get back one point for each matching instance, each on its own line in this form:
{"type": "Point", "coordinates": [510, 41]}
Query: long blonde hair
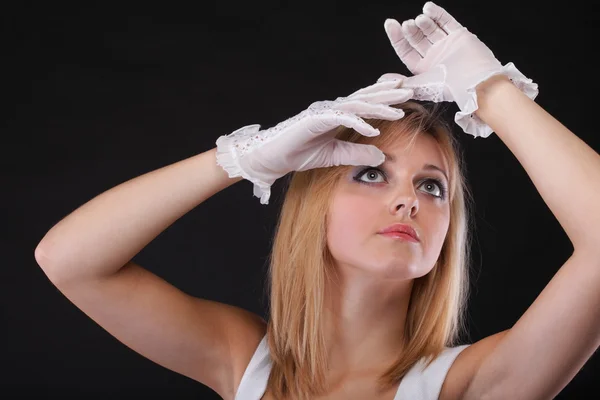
{"type": "Point", "coordinates": [300, 263]}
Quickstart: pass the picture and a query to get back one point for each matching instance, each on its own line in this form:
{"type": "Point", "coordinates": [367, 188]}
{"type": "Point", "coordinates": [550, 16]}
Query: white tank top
{"type": "Point", "coordinates": [417, 384]}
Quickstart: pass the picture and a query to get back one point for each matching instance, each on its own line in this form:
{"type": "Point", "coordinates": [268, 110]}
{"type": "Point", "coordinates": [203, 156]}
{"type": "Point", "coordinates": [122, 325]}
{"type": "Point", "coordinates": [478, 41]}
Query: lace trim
{"type": "Point", "coordinates": [432, 92]}
{"type": "Point", "coordinates": [470, 122]}
{"type": "Point", "coordinates": [228, 158]}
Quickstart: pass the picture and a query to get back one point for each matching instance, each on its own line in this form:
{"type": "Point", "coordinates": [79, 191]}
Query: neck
{"type": "Point", "coordinates": [364, 322]}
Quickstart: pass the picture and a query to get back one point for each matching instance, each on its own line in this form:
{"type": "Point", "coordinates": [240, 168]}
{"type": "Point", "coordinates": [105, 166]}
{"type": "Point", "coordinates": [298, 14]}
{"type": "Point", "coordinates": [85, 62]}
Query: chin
{"type": "Point", "coordinates": [390, 270]}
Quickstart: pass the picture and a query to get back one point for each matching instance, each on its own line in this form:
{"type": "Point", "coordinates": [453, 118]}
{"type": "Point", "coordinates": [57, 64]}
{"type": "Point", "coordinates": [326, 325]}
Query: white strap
{"type": "Point", "coordinates": [426, 384]}
{"type": "Point", "coordinates": [254, 381]}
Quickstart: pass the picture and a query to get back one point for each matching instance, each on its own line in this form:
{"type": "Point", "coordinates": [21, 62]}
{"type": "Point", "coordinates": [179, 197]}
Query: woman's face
{"type": "Point", "coordinates": [400, 190]}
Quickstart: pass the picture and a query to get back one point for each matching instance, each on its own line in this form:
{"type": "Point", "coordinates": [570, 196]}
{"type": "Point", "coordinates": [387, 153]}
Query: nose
{"type": "Point", "coordinates": [407, 203]}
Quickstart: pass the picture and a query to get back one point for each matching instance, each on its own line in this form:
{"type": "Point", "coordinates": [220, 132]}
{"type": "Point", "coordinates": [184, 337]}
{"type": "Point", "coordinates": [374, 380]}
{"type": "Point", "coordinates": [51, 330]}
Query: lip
{"type": "Point", "coordinates": [400, 231]}
{"type": "Point", "coordinates": [400, 236]}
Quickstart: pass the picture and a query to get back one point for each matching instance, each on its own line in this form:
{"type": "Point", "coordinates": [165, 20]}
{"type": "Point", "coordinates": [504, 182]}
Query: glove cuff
{"type": "Point", "coordinates": [228, 151]}
{"type": "Point", "coordinates": [471, 123]}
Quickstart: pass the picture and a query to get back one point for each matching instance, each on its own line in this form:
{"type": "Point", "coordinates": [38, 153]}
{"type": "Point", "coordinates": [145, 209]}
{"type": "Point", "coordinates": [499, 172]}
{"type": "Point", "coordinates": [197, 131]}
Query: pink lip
{"type": "Point", "coordinates": [397, 230]}
{"type": "Point", "coordinates": [401, 236]}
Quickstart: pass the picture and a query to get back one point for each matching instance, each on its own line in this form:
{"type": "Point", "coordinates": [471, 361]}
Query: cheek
{"type": "Point", "coordinates": [439, 232]}
{"type": "Point", "coordinates": [349, 223]}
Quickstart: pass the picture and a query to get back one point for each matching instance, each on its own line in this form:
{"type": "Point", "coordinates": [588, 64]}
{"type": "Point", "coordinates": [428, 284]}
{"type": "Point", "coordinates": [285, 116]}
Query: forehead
{"type": "Point", "coordinates": [420, 149]}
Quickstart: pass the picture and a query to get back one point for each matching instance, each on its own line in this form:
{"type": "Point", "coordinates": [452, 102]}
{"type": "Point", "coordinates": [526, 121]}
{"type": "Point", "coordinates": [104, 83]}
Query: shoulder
{"type": "Point", "coordinates": [466, 365]}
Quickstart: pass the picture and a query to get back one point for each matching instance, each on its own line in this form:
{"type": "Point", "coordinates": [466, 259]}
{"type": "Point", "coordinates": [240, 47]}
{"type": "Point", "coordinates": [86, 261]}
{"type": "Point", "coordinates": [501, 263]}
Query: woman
{"type": "Point", "coordinates": [355, 312]}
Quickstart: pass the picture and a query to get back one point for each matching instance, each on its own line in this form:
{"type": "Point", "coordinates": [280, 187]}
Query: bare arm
{"type": "Point", "coordinates": [560, 331]}
{"type": "Point", "coordinates": [87, 257]}
{"type": "Point", "coordinates": [101, 236]}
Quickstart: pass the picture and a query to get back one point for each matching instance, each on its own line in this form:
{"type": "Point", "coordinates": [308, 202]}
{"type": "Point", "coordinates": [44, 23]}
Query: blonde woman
{"type": "Point", "coordinates": [369, 266]}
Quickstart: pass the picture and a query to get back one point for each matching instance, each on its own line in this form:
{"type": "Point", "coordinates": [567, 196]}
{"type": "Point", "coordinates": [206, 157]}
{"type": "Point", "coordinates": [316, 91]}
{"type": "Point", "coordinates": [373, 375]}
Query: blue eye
{"type": "Point", "coordinates": [374, 171]}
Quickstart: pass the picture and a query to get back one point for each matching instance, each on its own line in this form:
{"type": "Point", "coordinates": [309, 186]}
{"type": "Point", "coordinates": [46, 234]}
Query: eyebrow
{"type": "Point", "coordinates": [430, 167]}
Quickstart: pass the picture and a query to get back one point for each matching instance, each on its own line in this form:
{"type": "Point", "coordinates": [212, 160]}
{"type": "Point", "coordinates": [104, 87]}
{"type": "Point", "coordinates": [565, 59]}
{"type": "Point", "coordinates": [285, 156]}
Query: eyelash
{"type": "Point", "coordinates": [441, 186]}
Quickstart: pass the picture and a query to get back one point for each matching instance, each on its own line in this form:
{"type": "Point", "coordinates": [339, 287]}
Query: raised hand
{"type": "Point", "coordinates": [308, 141]}
{"type": "Point", "coordinates": [448, 62]}
{"type": "Point", "coordinates": [414, 38]}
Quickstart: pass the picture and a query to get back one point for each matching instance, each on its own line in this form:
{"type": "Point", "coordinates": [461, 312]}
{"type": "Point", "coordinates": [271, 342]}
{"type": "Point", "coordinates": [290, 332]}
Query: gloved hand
{"type": "Point", "coordinates": [448, 62]}
{"type": "Point", "coordinates": [308, 140]}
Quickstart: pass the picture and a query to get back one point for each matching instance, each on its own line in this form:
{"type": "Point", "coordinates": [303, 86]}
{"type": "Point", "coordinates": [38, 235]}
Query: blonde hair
{"type": "Point", "coordinates": [300, 263]}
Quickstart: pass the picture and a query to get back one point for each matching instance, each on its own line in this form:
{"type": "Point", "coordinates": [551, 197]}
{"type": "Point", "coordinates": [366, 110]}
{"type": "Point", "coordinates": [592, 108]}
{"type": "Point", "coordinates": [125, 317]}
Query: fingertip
{"type": "Point", "coordinates": [392, 27]}
{"type": "Point", "coordinates": [376, 156]}
{"type": "Point", "coordinates": [392, 84]}
{"type": "Point", "coordinates": [391, 77]}
{"type": "Point", "coordinates": [423, 21]}
{"type": "Point", "coordinates": [381, 158]}
{"type": "Point", "coordinates": [400, 112]}
{"type": "Point", "coordinates": [409, 26]}
{"type": "Point", "coordinates": [429, 6]}
{"type": "Point", "coordinates": [363, 127]}
{"type": "Point", "coordinates": [391, 21]}
{"type": "Point", "coordinates": [393, 114]}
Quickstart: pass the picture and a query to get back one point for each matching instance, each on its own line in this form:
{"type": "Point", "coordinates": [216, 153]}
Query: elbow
{"type": "Point", "coordinates": [43, 261]}
{"type": "Point", "coordinates": [40, 257]}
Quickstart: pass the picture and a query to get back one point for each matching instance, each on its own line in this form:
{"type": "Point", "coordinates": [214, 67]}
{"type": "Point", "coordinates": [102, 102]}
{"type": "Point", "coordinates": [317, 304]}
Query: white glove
{"type": "Point", "coordinates": [308, 141]}
{"type": "Point", "coordinates": [449, 62]}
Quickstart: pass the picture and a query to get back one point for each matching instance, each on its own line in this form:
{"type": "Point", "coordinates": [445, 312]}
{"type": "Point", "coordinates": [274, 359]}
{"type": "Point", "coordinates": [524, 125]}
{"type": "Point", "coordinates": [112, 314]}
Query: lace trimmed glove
{"type": "Point", "coordinates": [308, 140]}
{"type": "Point", "coordinates": [449, 62]}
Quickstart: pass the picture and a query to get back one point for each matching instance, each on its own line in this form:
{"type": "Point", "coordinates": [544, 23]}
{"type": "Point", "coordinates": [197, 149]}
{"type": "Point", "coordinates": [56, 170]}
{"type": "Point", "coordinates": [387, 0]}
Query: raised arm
{"type": "Point", "coordinates": [101, 236]}
{"type": "Point", "coordinates": [87, 257]}
{"type": "Point", "coordinates": [560, 331]}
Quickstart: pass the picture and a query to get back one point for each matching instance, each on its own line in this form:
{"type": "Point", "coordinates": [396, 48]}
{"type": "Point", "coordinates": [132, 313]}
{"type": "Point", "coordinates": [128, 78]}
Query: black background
{"type": "Point", "coordinates": [97, 94]}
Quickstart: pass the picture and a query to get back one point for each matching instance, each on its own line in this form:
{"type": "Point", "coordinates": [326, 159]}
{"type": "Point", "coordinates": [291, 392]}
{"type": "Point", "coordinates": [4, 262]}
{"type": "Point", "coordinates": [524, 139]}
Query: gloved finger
{"type": "Point", "coordinates": [415, 37]}
{"type": "Point", "coordinates": [356, 123]}
{"type": "Point", "coordinates": [430, 29]}
{"type": "Point", "coordinates": [331, 119]}
{"type": "Point", "coordinates": [393, 96]}
{"type": "Point", "coordinates": [441, 17]}
{"type": "Point", "coordinates": [408, 55]}
{"type": "Point", "coordinates": [367, 110]}
{"type": "Point", "coordinates": [348, 153]}
{"type": "Point", "coordinates": [379, 86]}
{"type": "Point", "coordinates": [391, 77]}
{"type": "Point", "coordinates": [429, 85]}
